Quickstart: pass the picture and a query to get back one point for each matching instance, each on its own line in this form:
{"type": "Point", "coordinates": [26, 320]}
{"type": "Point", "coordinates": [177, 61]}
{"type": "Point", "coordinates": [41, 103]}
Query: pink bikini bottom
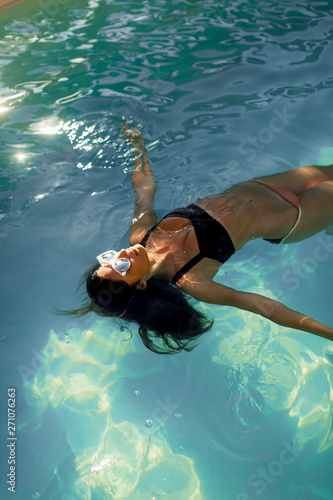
{"type": "Point", "coordinates": [291, 198]}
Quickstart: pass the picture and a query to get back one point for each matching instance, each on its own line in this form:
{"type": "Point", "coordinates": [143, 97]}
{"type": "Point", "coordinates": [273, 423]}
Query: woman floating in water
{"type": "Point", "coordinates": [182, 253]}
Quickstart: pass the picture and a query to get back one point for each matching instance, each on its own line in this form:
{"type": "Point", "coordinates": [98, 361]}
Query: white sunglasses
{"type": "Point", "coordinates": [121, 266]}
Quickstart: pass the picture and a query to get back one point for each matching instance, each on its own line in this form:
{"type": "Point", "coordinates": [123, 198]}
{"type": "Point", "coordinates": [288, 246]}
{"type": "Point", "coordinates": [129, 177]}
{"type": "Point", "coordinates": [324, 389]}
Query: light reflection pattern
{"type": "Point", "coordinates": [80, 379]}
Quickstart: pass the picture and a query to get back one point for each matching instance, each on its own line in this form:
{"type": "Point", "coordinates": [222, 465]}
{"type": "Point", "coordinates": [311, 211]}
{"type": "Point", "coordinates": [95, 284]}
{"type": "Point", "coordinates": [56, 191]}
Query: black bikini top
{"type": "Point", "coordinates": [213, 239]}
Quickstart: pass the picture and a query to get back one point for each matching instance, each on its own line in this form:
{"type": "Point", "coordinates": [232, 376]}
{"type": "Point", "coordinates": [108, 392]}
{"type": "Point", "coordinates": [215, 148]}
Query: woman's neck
{"type": "Point", "coordinates": [159, 263]}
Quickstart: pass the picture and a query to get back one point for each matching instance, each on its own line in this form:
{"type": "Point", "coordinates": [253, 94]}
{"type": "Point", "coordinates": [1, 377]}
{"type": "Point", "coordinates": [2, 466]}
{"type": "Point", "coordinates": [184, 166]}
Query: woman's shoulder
{"type": "Point", "coordinates": [140, 236]}
{"type": "Point", "coordinates": [142, 225]}
{"type": "Point", "coordinates": [206, 290]}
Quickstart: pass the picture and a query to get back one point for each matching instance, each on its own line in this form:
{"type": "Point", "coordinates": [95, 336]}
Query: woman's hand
{"type": "Point", "coordinates": [143, 179]}
{"type": "Point", "coordinates": [132, 134]}
{"type": "Point", "coordinates": [144, 184]}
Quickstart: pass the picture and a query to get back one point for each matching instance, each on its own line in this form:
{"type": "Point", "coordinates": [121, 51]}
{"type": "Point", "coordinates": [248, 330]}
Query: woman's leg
{"type": "Point", "coordinates": [300, 179]}
{"type": "Point", "coordinates": [317, 211]}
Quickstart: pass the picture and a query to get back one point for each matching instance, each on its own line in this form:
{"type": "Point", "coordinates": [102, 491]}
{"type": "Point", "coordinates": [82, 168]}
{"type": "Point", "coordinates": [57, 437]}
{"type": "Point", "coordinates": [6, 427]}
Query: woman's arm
{"type": "Point", "coordinates": [215, 293]}
{"type": "Point", "coordinates": [145, 187]}
{"type": "Point", "coordinates": [280, 314]}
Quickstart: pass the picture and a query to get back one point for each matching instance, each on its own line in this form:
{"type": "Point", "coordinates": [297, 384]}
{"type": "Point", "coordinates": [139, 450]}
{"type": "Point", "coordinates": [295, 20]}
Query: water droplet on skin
{"type": "Point", "coordinates": [137, 393]}
{"type": "Point", "coordinates": [178, 415]}
{"type": "Point", "coordinates": [148, 423]}
{"type": "Point", "coordinates": [3, 339]}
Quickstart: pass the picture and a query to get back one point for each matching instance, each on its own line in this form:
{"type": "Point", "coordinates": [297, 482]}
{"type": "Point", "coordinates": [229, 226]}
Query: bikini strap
{"type": "Point", "coordinates": [146, 236]}
{"type": "Point", "coordinates": [179, 274]}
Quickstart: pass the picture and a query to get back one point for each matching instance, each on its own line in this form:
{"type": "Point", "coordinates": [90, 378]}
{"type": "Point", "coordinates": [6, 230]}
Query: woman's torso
{"type": "Point", "coordinates": [247, 211]}
{"type": "Point", "coordinates": [250, 210]}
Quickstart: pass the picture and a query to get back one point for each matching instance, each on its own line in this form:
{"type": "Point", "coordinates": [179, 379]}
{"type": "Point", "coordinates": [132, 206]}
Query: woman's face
{"type": "Point", "coordinates": [138, 258]}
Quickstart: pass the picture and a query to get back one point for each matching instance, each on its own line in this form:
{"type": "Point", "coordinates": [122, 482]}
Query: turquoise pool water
{"type": "Point", "coordinates": [223, 91]}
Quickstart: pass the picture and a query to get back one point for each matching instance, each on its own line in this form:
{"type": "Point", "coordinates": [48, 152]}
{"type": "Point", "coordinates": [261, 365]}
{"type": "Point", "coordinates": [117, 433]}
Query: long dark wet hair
{"type": "Point", "coordinates": [167, 322]}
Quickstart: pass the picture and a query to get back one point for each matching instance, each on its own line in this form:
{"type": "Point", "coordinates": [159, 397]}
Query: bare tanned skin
{"type": "Point", "coordinates": [247, 211]}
